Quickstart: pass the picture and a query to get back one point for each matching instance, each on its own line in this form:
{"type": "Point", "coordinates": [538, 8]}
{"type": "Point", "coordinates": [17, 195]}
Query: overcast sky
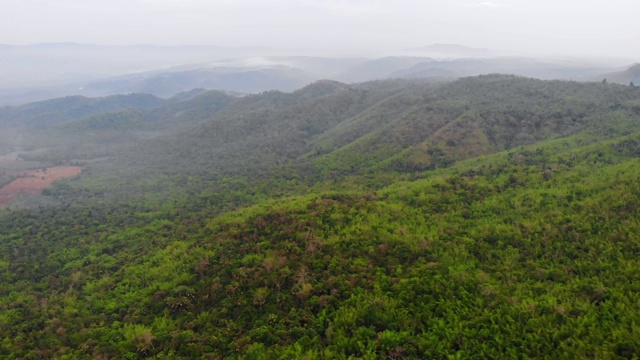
{"type": "Point", "coordinates": [607, 28]}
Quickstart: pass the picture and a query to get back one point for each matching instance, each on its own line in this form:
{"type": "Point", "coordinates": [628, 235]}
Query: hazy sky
{"type": "Point", "coordinates": [592, 27]}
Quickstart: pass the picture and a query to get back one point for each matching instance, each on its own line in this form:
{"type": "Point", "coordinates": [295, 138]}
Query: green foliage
{"type": "Point", "coordinates": [511, 240]}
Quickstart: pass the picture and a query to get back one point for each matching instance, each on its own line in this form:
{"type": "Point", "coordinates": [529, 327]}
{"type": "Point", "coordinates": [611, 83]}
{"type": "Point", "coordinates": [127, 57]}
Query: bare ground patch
{"type": "Point", "coordinates": [34, 181]}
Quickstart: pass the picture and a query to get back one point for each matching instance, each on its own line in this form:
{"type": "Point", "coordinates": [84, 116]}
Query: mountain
{"type": "Point", "coordinates": [504, 65]}
{"type": "Point", "coordinates": [79, 128]}
{"type": "Point", "coordinates": [94, 71]}
{"type": "Point", "coordinates": [168, 83]}
{"type": "Point", "coordinates": [59, 63]}
{"type": "Point", "coordinates": [452, 51]}
{"type": "Point", "coordinates": [330, 129]}
{"type": "Point", "coordinates": [50, 112]}
{"type": "Point", "coordinates": [421, 67]}
{"type": "Point", "coordinates": [250, 74]}
{"type": "Point", "coordinates": [43, 71]}
{"type": "Point", "coordinates": [379, 68]}
{"type": "Point", "coordinates": [625, 77]}
{"type": "Point", "coordinates": [490, 216]}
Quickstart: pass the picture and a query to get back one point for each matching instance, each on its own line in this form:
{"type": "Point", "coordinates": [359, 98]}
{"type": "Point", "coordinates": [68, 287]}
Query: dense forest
{"type": "Point", "coordinates": [487, 217]}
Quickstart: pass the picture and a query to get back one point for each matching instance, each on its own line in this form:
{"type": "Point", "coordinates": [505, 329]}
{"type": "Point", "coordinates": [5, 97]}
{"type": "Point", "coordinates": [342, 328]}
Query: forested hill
{"type": "Point", "coordinates": [82, 129]}
{"type": "Point", "coordinates": [489, 217]}
{"type": "Point", "coordinates": [371, 122]}
{"type": "Point", "coordinates": [51, 112]}
{"type": "Point", "coordinates": [329, 131]}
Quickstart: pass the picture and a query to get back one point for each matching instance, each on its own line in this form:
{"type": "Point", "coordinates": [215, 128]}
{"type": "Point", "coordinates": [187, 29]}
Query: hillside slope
{"type": "Point", "coordinates": [51, 112]}
{"type": "Point", "coordinates": [513, 254]}
{"type": "Point", "coordinates": [625, 77]}
{"type": "Point", "coordinates": [329, 130]}
{"type": "Point", "coordinates": [492, 216]}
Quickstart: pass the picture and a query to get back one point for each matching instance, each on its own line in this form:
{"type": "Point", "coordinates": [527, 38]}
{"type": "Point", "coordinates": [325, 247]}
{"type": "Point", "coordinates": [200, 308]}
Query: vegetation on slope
{"type": "Point", "coordinates": [530, 252]}
{"type": "Point", "coordinates": [516, 252]}
{"type": "Point", "coordinates": [50, 112]}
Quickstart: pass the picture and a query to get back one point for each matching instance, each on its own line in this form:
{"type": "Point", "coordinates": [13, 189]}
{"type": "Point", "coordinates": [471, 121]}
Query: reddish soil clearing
{"type": "Point", "coordinates": [35, 181]}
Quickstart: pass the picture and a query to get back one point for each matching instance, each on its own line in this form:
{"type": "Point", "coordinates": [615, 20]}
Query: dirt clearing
{"type": "Point", "coordinates": [34, 181]}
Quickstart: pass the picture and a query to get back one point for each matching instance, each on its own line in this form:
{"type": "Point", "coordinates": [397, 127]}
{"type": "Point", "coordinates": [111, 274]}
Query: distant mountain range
{"type": "Point", "coordinates": [93, 70]}
{"type": "Point", "coordinates": [168, 83]}
{"type": "Point", "coordinates": [59, 63]}
{"type": "Point", "coordinates": [453, 50]}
